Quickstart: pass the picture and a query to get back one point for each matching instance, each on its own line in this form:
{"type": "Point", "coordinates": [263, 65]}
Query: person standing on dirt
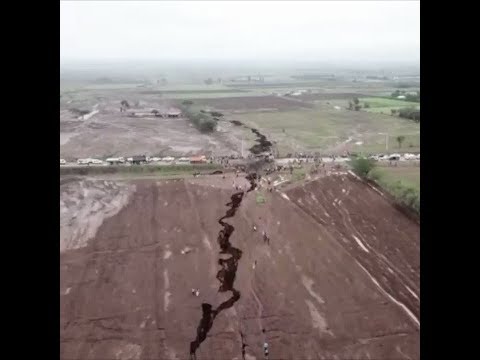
{"type": "Point", "coordinates": [265, 237]}
{"type": "Point", "coordinates": [265, 349]}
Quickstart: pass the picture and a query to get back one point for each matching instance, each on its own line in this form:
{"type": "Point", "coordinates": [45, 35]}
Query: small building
{"type": "Point", "coordinates": [174, 113]}
{"type": "Point", "coordinates": [198, 159]}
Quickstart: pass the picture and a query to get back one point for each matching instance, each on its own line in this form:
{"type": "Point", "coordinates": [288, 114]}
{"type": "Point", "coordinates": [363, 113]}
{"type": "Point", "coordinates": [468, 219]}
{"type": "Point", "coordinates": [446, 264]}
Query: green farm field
{"type": "Point", "coordinates": [408, 175]}
{"type": "Point", "coordinates": [385, 105]}
{"type": "Point", "coordinates": [323, 129]}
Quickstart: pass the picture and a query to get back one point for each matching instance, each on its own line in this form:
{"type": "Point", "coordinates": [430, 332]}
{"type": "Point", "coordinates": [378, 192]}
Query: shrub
{"type": "Point", "coordinates": [362, 166]}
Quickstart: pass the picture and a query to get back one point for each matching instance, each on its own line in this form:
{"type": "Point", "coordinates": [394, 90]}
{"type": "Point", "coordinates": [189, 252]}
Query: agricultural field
{"type": "Point", "coordinates": [385, 105]}
{"type": "Point", "coordinates": [325, 129]}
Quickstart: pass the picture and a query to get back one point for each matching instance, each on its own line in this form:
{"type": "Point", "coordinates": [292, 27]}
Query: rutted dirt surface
{"type": "Point", "coordinates": [382, 239]}
{"type": "Point", "coordinates": [314, 289]}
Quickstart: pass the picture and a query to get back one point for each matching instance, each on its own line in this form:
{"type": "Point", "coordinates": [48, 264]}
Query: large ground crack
{"type": "Point", "coordinates": [228, 269]}
{"type": "Point", "coordinates": [228, 266]}
{"type": "Point", "coordinates": [263, 145]}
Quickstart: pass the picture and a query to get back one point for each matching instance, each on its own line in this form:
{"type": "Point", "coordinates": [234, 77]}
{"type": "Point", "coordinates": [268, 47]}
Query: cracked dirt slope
{"type": "Point", "coordinates": [315, 290]}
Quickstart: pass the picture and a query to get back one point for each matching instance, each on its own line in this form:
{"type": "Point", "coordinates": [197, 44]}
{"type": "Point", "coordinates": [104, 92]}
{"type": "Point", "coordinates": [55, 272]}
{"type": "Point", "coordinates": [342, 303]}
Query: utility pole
{"type": "Point", "coordinates": [386, 140]}
{"type": "Point", "coordinates": [242, 147]}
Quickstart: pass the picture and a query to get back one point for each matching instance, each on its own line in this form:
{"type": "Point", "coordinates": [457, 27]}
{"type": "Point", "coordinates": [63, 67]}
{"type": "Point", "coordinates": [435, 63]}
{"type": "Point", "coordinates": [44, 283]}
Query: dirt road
{"type": "Point", "coordinates": [313, 289]}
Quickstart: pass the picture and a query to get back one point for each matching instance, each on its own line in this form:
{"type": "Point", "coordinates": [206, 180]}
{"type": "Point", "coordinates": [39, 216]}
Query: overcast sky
{"type": "Point", "coordinates": [370, 31]}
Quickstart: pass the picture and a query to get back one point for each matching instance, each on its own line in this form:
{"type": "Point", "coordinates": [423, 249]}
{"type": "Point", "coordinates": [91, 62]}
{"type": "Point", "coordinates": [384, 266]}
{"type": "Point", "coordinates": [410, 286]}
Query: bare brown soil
{"type": "Point", "coordinates": [112, 133]}
{"type": "Point", "coordinates": [314, 291]}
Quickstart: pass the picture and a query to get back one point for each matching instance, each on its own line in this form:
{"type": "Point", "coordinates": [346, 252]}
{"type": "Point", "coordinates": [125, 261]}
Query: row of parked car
{"type": "Point", "coordinates": [136, 160]}
{"type": "Point", "coordinates": [394, 157]}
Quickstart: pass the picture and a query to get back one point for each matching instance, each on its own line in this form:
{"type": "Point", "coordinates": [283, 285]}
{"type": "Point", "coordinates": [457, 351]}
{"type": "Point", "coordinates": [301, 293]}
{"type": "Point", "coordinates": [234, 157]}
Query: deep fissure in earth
{"type": "Point", "coordinates": [228, 267]}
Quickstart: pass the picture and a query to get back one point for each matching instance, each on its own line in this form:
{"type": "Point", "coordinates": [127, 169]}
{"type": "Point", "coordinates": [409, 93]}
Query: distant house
{"type": "Point", "coordinates": [198, 159]}
{"type": "Point", "coordinates": [174, 113]}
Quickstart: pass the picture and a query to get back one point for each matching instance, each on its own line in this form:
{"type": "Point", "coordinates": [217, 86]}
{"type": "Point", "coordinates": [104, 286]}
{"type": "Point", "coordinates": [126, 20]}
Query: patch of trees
{"type": "Point", "coordinates": [354, 105]}
{"type": "Point", "coordinates": [408, 113]}
{"type": "Point", "coordinates": [124, 105]}
{"type": "Point", "coordinates": [201, 120]}
{"type": "Point", "coordinates": [362, 166]}
{"type": "Point", "coordinates": [400, 139]}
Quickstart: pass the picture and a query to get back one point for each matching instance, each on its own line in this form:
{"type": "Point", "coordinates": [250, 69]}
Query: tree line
{"type": "Point", "coordinates": [204, 121]}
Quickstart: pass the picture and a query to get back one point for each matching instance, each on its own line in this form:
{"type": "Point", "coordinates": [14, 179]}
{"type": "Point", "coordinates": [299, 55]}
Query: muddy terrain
{"type": "Point", "coordinates": [336, 275]}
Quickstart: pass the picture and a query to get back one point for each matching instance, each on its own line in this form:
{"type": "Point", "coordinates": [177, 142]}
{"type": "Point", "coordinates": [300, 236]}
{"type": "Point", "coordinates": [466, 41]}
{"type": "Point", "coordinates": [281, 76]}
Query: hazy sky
{"type": "Point", "coordinates": [374, 31]}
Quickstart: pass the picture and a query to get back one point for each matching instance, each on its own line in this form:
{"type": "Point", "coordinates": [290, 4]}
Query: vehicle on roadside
{"type": "Point", "coordinates": [89, 161]}
{"type": "Point", "coordinates": [138, 159]}
{"type": "Point", "coordinates": [96, 161]}
{"type": "Point", "coordinates": [62, 162]}
{"type": "Point", "coordinates": [115, 160]}
{"type": "Point", "coordinates": [409, 156]}
{"type": "Point", "coordinates": [83, 161]}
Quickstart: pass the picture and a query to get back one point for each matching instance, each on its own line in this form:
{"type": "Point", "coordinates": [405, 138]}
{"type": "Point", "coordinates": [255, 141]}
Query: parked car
{"type": "Point", "coordinates": [96, 161]}
{"type": "Point", "coordinates": [89, 161]}
{"type": "Point", "coordinates": [83, 161]}
{"type": "Point", "coordinates": [118, 160]}
{"type": "Point", "coordinates": [62, 162]}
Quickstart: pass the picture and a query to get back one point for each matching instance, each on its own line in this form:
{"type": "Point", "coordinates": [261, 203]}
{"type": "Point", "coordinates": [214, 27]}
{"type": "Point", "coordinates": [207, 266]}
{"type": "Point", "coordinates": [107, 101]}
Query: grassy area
{"type": "Point", "coordinates": [260, 199]}
{"type": "Point", "coordinates": [386, 105]}
{"type": "Point", "coordinates": [298, 174]}
{"type": "Point", "coordinates": [165, 170]}
{"type": "Point", "coordinates": [408, 175]}
{"type": "Point", "coordinates": [402, 182]}
{"type": "Point", "coordinates": [320, 128]}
